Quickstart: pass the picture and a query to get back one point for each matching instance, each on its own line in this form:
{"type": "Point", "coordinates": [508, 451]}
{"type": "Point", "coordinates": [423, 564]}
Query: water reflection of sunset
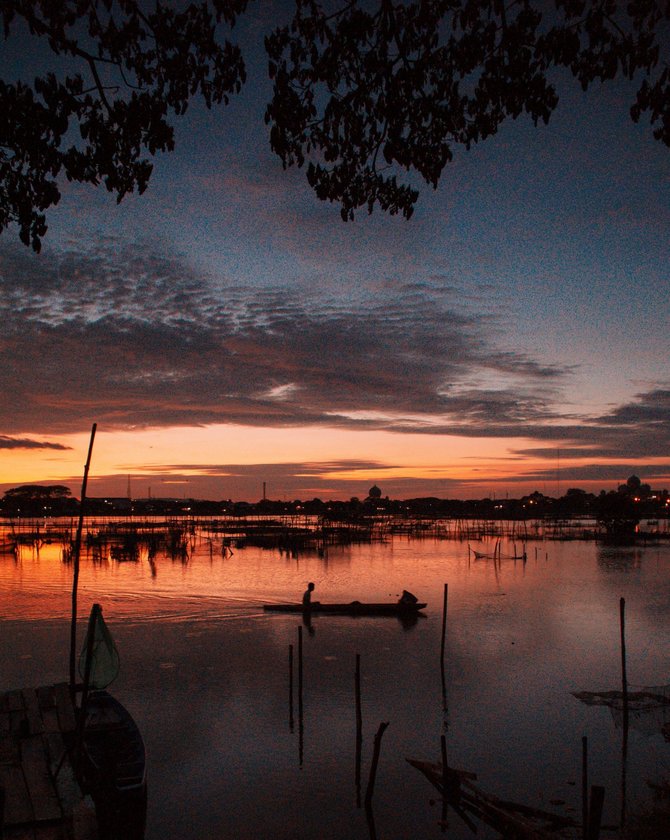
{"type": "Point", "coordinates": [202, 661]}
{"type": "Point", "coordinates": [558, 589]}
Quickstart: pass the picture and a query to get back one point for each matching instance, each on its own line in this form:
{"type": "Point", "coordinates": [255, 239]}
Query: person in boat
{"type": "Point", "coordinates": [307, 597]}
{"type": "Point", "coordinates": [407, 598]}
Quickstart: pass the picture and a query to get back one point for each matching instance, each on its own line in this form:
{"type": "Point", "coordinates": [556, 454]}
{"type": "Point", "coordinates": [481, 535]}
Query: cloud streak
{"type": "Point", "coordinates": [638, 429]}
{"type": "Point", "coordinates": [134, 338]}
{"type": "Point", "coordinates": [139, 340]}
{"type": "Point", "coordinates": [7, 442]}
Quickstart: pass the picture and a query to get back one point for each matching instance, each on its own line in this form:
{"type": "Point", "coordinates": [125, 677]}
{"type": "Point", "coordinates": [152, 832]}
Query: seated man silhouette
{"type": "Point", "coordinates": [307, 597]}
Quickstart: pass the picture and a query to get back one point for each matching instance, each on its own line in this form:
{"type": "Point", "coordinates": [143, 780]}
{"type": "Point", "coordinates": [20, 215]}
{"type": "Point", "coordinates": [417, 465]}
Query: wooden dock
{"type": "Point", "coordinates": [42, 799]}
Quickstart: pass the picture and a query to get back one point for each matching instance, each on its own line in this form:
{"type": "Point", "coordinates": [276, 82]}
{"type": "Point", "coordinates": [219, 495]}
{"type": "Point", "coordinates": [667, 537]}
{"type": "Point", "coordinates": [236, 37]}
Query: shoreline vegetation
{"type": "Point", "coordinates": [634, 513]}
{"type": "Point", "coordinates": [125, 537]}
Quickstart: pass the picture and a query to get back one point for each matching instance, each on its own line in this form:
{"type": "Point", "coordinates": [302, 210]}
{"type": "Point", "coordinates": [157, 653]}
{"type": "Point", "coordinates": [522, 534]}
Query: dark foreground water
{"type": "Point", "coordinates": [205, 674]}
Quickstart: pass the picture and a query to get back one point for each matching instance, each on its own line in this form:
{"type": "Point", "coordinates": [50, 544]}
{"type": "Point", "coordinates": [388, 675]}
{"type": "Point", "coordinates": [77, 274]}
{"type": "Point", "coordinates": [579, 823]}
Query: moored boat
{"type": "Point", "coordinates": [113, 743]}
{"type": "Point", "coordinates": [115, 766]}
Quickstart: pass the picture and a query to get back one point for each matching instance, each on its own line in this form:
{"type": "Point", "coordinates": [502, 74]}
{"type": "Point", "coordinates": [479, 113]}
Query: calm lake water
{"type": "Point", "coordinates": [205, 673]}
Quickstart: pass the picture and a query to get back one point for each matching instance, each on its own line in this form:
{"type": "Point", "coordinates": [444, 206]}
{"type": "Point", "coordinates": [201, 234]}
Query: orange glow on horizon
{"type": "Point", "coordinates": [200, 462]}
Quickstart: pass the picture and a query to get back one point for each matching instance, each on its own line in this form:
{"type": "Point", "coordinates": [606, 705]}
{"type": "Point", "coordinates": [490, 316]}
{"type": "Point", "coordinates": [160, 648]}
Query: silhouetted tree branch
{"type": "Point", "coordinates": [412, 80]}
{"type": "Point", "coordinates": [145, 67]}
{"type": "Point", "coordinates": [364, 90]}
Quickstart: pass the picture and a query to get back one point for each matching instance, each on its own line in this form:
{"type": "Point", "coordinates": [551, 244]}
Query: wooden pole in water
{"type": "Point", "coordinates": [75, 560]}
{"type": "Point", "coordinates": [444, 624]}
{"type": "Point", "coordinates": [373, 767]}
{"type": "Point", "coordinates": [624, 681]}
{"type": "Point", "coordinates": [359, 715]}
{"type": "Point", "coordinates": [359, 729]}
{"type": "Point", "coordinates": [442, 647]}
{"type": "Point", "coordinates": [96, 610]}
{"type": "Point", "coordinates": [290, 688]}
{"type": "Point", "coordinates": [624, 735]}
{"type": "Point", "coordinates": [585, 788]}
{"type": "Point", "coordinates": [300, 666]}
{"type": "Point", "coordinates": [596, 811]}
{"type": "Point", "coordinates": [301, 729]}
{"type": "Point", "coordinates": [445, 783]}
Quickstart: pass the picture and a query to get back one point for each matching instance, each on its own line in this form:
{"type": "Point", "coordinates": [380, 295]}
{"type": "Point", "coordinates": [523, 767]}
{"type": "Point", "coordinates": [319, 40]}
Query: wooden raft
{"type": "Point", "coordinates": [42, 800]}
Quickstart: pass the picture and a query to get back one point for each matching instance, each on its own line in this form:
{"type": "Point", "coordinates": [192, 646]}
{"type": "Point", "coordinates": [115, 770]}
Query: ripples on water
{"type": "Point", "coordinates": [205, 673]}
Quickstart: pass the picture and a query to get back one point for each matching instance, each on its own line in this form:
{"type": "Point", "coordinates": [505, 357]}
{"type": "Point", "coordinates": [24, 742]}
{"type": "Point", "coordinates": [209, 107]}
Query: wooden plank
{"type": "Point", "coordinates": [14, 701]}
{"type": "Point", "coordinates": [19, 832]}
{"type": "Point", "coordinates": [55, 747]}
{"type": "Point", "coordinates": [46, 697]}
{"type": "Point", "coordinates": [5, 723]}
{"type": "Point", "coordinates": [18, 808]}
{"type": "Point", "coordinates": [17, 721]}
{"type": "Point", "coordinates": [66, 716]}
{"type": "Point", "coordinates": [47, 831]}
{"type": "Point", "coordinates": [9, 749]}
{"type": "Point", "coordinates": [35, 725]}
{"type": "Point", "coordinates": [46, 805]}
{"type": "Point", "coordinates": [50, 720]}
{"type": "Point", "coordinates": [69, 792]}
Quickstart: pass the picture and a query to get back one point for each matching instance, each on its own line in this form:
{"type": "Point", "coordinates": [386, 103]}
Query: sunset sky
{"type": "Point", "coordinates": [227, 329]}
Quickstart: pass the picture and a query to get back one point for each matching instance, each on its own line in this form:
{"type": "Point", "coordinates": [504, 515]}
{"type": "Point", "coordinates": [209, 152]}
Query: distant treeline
{"type": "Point", "coordinates": [632, 501]}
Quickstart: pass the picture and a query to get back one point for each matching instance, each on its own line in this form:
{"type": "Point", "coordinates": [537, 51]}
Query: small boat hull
{"type": "Point", "coordinates": [353, 608]}
{"type": "Point", "coordinates": [115, 767]}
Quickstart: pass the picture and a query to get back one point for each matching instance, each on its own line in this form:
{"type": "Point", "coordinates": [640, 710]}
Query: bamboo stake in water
{"type": "Point", "coordinates": [75, 574]}
{"type": "Point", "coordinates": [359, 729]}
{"type": "Point", "coordinates": [444, 623]}
{"type": "Point", "coordinates": [445, 784]}
{"type": "Point", "coordinates": [96, 610]}
{"type": "Point", "coordinates": [301, 730]}
{"type": "Point", "coordinates": [624, 681]}
{"type": "Point", "coordinates": [373, 767]}
{"type": "Point", "coordinates": [300, 667]}
{"type": "Point", "coordinates": [585, 788]}
{"type": "Point", "coordinates": [290, 688]}
{"type": "Point", "coordinates": [596, 811]}
{"type": "Point", "coordinates": [624, 692]}
{"type": "Point", "coordinates": [442, 646]}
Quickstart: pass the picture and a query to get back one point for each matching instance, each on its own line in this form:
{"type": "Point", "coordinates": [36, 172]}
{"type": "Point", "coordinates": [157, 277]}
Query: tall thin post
{"type": "Point", "coordinates": [585, 789]}
{"type": "Point", "coordinates": [301, 729]}
{"type": "Point", "coordinates": [359, 729]}
{"type": "Point", "coordinates": [359, 714]}
{"type": "Point", "coordinates": [445, 782]}
{"type": "Point", "coordinates": [444, 623]}
{"type": "Point", "coordinates": [442, 647]}
{"type": "Point", "coordinates": [96, 610]}
{"type": "Point", "coordinates": [624, 693]}
{"type": "Point", "coordinates": [596, 811]}
{"type": "Point", "coordinates": [75, 559]}
{"type": "Point", "coordinates": [624, 681]}
{"type": "Point", "coordinates": [300, 667]}
{"type": "Point", "coordinates": [290, 688]}
{"type": "Point", "coordinates": [373, 767]}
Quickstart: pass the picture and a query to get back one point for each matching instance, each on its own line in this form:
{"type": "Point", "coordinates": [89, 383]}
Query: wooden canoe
{"type": "Point", "coordinates": [352, 608]}
{"type": "Point", "coordinates": [115, 767]}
